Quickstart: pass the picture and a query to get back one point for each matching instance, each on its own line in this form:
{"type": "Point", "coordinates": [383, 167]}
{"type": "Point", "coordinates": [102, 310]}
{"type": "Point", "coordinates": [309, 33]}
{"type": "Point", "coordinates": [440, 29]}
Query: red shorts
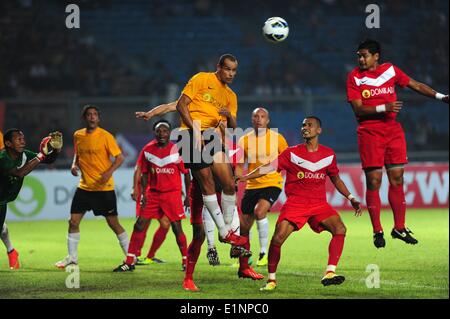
{"type": "Point", "coordinates": [160, 204]}
{"type": "Point", "coordinates": [380, 144]}
{"type": "Point", "coordinates": [299, 214]}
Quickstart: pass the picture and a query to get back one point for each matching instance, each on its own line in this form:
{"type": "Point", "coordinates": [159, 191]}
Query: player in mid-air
{"type": "Point", "coordinates": [93, 147]}
{"type": "Point", "coordinates": [16, 162]}
{"type": "Point", "coordinates": [161, 167]}
{"type": "Point", "coordinates": [260, 146]}
{"type": "Point", "coordinates": [307, 165]}
{"type": "Point", "coordinates": [381, 140]}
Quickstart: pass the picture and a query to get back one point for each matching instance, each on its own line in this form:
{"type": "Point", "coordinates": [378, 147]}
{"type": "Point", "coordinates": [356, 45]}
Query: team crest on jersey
{"type": "Point", "coordinates": [301, 175]}
{"type": "Point", "coordinates": [207, 97]}
{"type": "Point", "coordinates": [365, 94]}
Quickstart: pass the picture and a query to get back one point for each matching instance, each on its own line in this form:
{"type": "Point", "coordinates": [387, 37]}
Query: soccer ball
{"type": "Point", "coordinates": [275, 29]}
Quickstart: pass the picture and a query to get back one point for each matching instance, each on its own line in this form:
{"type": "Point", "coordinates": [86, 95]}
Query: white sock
{"type": "Point", "coordinates": [72, 244]}
{"type": "Point", "coordinates": [228, 207]}
{"type": "Point", "coordinates": [5, 239]}
{"type": "Point", "coordinates": [236, 223]}
{"type": "Point", "coordinates": [209, 226]}
{"type": "Point", "coordinates": [124, 241]}
{"type": "Point", "coordinates": [272, 276]}
{"type": "Point", "coordinates": [263, 233]}
{"type": "Point", "coordinates": [210, 202]}
{"type": "Point", "coordinates": [331, 268]}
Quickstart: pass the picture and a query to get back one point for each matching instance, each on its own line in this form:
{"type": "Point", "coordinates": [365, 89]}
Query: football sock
{"type": "Point", "coordinates": [236, 222]}
{"type": "Point", "coordinates": [263, 233]}
{"type": "Point", "coordinates": [182, 244]}
{"type": "Point", "coordinates": [335, 251]}
{"type": "Point", "coordinates": [158, 239]}
{"type": "Point", "coordinates": [243, 261]}
{"type": "Point", "coordinates": [209, 226]}
{"type": "Point", "coordinates": [72, 244]}
{"type": "Point", "coordinates": [228, 207]}
{"type": "Point", "coordinates": [274, 257]}
{"type": "Point", "coordinates": [193, 253]}
{"type": "Point", "coordinates": [136, 241]}
{"type": "Point", "coordinates": [124, 242]}
{"type": "Point", "coordinates": [396, 197]}
{"type": "Point", "coordinates": [374, 208]}
{"type": "Point", "coordinates": [139, 251]}
{"type": "Point", "coordinates": [5, 239]}
{"type": "Point", "coordinates": [211, 203]}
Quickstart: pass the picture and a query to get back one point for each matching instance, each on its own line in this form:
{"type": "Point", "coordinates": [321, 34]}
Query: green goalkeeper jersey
{"type": "Point", "coordinates": [10, 185]}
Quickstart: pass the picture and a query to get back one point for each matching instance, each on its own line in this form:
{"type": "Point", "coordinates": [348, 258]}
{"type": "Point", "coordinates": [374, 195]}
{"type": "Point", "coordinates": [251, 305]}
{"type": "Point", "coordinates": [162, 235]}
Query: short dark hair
{"type": "Point", "coordinates": [159, 122]}
{"type": "Point", "coordinates": [9, 134]}
{"type": "Point", "coordinates": [371, 45]}
{"type": "Point", "coordinates": [88, 107]}
{"type": "Point", "coordinates": [228, 56]}
{"type": "Point", "coordinates": [315, 118]}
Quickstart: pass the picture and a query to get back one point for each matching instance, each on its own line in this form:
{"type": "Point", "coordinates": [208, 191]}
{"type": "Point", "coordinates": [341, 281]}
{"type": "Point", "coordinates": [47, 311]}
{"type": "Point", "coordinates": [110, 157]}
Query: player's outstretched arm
{"type": "Point", "coordinates": [258, 172]}
{"type": "Point", "coordinates": [424, 89]}
{"type": "Point", "coordinates": [342, 188]}
{"type": "Point", "coordinates": [157, 111]}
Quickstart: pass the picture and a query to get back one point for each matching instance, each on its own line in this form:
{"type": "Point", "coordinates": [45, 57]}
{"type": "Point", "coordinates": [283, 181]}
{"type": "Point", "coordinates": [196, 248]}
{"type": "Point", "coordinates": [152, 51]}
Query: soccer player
{"type": "Point", "coordinates": [307, 165]}
{"type": "Point", "coordinates": [381, 140]}
{"type": "Point", "coordinates": [164, 222]}
{"type": "Point", "coordinates": [161, 169]}
{"type": "Point", "coordinates": [16, 162]}
{"type": "Point", "coordinates": [260, 146]}
{"type": "Point", "coordinates": [93, 148]}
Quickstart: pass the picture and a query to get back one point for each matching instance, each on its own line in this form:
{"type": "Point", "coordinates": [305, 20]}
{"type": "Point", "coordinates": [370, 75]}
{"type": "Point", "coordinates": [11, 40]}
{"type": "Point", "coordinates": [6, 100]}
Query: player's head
{"type": "Point", "coordinates": [162, 131]}
{"type": "Point", "coordinates": [14, 139]}
{"type": "Point", "coordinates": [311, 127]}
{"type": "Point", "coordinates": [368, 54]}
{"type": "Point", "coordinates": [91, 115]}
{"type": "Point", "coordinates": [227, 68]}
{"type": "Point", "coordinates": [260, 118]}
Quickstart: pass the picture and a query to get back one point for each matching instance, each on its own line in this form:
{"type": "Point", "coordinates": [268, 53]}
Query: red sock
{"type": "Point", "coordinates": [335, 249]}
{"type": "Point", "coordinates": [192, 257]}
{"type": "Point", "coordinates": [243, 261]}
{"type": "Point", "coordinates": [136, 241]}
{"type": "Point", "coordinates": [158, 239]}
{"type": "Point", "coordinates": [396, 197]}
{"type": "Point", "coordinates": [182, 244]}
{"type": "Point", "coordinates": [374, 208]}
{"type": "Point", "coordinates": [138, 252]}
{"type": "Point", "coordinates": [274, 257]}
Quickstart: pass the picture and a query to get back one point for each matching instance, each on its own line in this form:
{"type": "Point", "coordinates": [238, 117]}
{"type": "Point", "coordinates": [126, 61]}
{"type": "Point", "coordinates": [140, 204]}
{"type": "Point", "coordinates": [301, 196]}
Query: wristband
{"type": "Point", "coordinates": [350, 197]}
{"type": "Point", "coordinates": [40, 157]}
{"type": "Point", "coordinates": [381, 108]}
{"type": "Point", "coordinates": [439, 96]}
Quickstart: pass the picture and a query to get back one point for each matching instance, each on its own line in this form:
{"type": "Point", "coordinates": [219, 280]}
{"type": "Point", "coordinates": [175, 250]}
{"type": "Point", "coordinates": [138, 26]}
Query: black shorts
{"type": "Point", "coordinates": [193, 158]}
{"type": "Point", "coordinates": [102, 203]}
{"type": "Point", "coordinates": [252, 196]}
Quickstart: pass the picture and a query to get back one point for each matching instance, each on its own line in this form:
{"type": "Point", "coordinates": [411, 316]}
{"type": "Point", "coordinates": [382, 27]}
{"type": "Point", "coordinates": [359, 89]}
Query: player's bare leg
{"type": "Point", "coordinates": [73, 238]}
{"type": "Point", "coordinates": [13, 255]}
{"type": "Point", "coordinates": [122, 236]}
{"type": "Point", "coordinates": [262, 223]}
{"type": "Point", "coordinates": [397, 202]}
{"type": "Point", "coordinates": [194, 250]}
{"type": "Point", "coordinates": [282, 231]}
{"type": "Point", "coordinates": [338, 230]}
{"type": "Point", "coordinates": [181, 241]}
{"type": "Point", "coordinates": [373, 184]}
{"type": "Point", "coordinates": [136, 239]}
{"type": "Point", "coordinates": [245, 271]}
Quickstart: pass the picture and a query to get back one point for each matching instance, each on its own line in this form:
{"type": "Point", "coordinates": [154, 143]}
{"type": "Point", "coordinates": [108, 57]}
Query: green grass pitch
{"type": "Point", "coordinates": [406, 271]}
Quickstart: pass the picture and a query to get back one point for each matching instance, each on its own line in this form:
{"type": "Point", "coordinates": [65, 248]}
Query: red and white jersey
{"type": "Point", "coordinates": [163, 165]}
{"type": "Point", "coordinates": [306, 172]}
{"type": "Point", "coordinates": [375, 88]}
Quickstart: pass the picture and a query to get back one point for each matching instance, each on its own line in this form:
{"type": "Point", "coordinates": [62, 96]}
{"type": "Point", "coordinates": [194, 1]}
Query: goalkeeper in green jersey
{"type": "Point", "coordinates": [15, 163]}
